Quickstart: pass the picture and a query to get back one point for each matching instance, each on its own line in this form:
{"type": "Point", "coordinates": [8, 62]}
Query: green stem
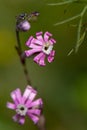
{"type": "Point", "coordinates": [79, 26]}
{"type": "Point", "coordinates": [66, 2]}
{"type": "Point", "coordinates": [78, 34]}
{"type": "Point", "coordinates": [79, 29]}
{"type": "Point", "coordinates": [67, 20]}
{"type": "Point", "coordinates": [62, 3]}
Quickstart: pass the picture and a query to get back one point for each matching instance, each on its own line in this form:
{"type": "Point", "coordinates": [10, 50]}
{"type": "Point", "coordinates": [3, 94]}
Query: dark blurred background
{"type": "Point", "coordinates": [63, 83]}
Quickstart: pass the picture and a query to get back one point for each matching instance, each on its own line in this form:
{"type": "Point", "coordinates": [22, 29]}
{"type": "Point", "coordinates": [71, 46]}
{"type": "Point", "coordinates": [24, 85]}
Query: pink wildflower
{"type": "Point", "coordinates": [41, 45]}
{"type": "Point", "coordinates": [24, 105]}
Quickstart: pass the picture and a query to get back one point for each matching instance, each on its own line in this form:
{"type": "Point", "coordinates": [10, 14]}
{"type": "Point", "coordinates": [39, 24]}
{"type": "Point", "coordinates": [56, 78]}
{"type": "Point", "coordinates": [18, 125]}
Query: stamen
{"type": "Point", "coordinates": [21, 109]}
{"type": "Point", "coordinates": [47, 48]}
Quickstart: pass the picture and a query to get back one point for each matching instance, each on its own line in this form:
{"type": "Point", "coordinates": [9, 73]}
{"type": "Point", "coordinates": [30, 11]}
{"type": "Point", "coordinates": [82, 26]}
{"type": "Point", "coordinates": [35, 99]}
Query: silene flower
{"type": "Point", "coordinates": [42, 46]}
{"type": "Point", "coordinates": [25, 105]}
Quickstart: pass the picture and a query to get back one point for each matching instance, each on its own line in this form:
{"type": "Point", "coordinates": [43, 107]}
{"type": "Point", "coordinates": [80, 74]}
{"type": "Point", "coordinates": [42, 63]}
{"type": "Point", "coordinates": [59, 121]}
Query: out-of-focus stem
{"type": "Point", "coordinates": [79, 28]}
{"type": "Point", "coordinates": [67, 20]}
{"type": "Point", "coordinates": [67, 2]}
{"type": "Point", "coordinates": [63, 3]}
{"type": "Point", "coordinates": [41, 123]}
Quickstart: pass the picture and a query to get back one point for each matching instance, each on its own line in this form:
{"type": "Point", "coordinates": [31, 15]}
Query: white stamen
{"type": "Point", "coordinates": [21, 109]}
{"type": "Point", "coordinates": [47, 49]}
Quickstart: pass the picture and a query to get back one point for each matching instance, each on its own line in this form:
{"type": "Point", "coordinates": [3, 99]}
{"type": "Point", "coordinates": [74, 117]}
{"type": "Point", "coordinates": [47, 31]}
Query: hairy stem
{"type": "Point", "coordinates": [22, 58]}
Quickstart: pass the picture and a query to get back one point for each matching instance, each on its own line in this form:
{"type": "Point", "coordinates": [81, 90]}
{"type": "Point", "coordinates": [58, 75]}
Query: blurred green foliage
{"type": "Point", "coordinates": [63, 83]}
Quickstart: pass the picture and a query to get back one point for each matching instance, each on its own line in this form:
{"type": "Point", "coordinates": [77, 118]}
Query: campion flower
{"type": "Point", "coordinates": [24, 105]}
{"type": "Point", "coordinates": [43, 46]}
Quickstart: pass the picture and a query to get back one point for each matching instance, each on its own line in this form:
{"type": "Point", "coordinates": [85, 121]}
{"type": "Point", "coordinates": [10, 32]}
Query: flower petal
{"type": "Point", "coordinates": [35, 112]}
{"type": "Point", "coordinates": [10, 105]}
{"type": "Point", "coordinates": [50, 59]}
{"type": "Point", "coordinates": [29, 94]}
{"type": "Point", "coordinates": [32, 41]}
{"type": "Point", "coordinates": [37, 58]}
{"type": "Point", "coordinates": [18, 94]}
{"type": "Point", "coordinates": [51, 56]}
{"type": "Point", "coordinates": [52, 41]}
{"type": "Point", "coordinates": [21, 120]}
{"type": "Point", "coordinates": [46, 36]}
{"type": "Point", "coordinates": [34, 118]}
{"type": "Point", "coordinates": [29, 41]}
{"type": "Point", "coordinates": [31, 52]}
{"type": "Point", "coordinates": [14, 97]}
{"type": "Point", "coordinates": [36, 104]}
{"type": "Point", "coordinates": [52, 53]}
{"type": "Point", "coordinates": [38, 42]}
{"type": "Point", "coordinates": [35, 46]}
{"type": "Point", "coordinates": [39, 37]}
{"type": "Point", "coordinates": [42, 60]}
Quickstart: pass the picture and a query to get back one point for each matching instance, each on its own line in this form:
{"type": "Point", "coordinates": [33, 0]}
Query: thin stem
{"type": "Point", "coordinates": [78, 34]}
{"type": "Point", "coordinates": [66, 2]}
{"type": "Point", "coordinates": [78, 43]}
{"type": "Point", "coordinates": [62, 3]}
{"type": "Point", "coordinates": [67, 20]}
{"type": "Point", "coordinates": [70, 52]}
{"type": "Point", "coordinates": [84, 10]}
{"type": "Point", "coordinates": [79, 29]}
{"type": "Point", "coordinates": [18, 40]}
{"type": "Point", "coordinates": [26, 74]}
{"type": "Point", "coordinates": [22, 58]}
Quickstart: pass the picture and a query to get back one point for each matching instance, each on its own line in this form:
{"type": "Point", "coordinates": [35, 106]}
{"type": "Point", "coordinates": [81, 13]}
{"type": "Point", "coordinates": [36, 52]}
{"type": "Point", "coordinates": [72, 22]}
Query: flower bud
{"type": "Point", "coordinates": [23, 26]}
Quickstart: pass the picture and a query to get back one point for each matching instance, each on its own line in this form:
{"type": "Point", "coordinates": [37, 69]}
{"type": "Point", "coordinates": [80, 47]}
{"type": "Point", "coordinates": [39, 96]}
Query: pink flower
{"type": "Point", "coordinates": [41, 45]}
{"type": "Point", "coordinates": [24, 105]}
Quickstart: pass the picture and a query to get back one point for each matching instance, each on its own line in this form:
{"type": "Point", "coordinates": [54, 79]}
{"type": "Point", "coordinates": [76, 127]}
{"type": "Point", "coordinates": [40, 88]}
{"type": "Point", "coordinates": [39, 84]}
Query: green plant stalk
{"type": "Point", "coordinates": [79, 29]}
{"type": "Point", "coordinates": [78, 43]}
{"type": "Point", "coordinates": [67, 2]}
{"type": "Point", "coordinates": [62, 3]}
{"type": "Point", "coordinates": [67, 20]}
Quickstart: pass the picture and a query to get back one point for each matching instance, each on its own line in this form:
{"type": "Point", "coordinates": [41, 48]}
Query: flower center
{"type": "Point", "coordinates": [47, 48]}
{"type": "Point", "coordinates": [21, 110]}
